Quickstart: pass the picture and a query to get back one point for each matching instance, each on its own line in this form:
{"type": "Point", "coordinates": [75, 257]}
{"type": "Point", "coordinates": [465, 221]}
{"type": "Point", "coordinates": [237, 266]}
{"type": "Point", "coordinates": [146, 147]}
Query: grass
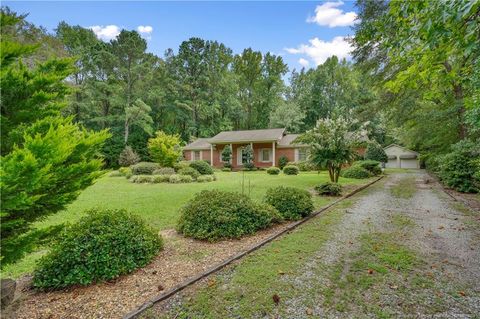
{"type": "Point", "coordinates": [405, 188]}
{"type": "Point", "coordinates": [246, 290]}
{"type": "Point", "coordinates": [158, 204]}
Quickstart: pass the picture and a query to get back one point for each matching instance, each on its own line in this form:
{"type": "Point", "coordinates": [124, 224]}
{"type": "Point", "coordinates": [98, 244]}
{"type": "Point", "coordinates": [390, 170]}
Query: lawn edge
{"type": "Point", "coordinates": [176, 289]}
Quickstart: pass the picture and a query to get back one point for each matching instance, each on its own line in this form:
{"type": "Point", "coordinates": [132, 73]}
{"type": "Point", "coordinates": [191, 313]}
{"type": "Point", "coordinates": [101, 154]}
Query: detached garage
{"type": "Point", "coordinates": [401, 157]}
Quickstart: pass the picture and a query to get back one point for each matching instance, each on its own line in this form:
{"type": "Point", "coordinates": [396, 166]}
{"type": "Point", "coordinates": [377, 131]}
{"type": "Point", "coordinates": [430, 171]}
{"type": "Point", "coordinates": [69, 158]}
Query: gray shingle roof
{"type": "Point", "coordinates": [266, 135]}
{"type": "Point", "coordinates": [198, 144]}
{"type": "Point", "coordinates": [287, 141]}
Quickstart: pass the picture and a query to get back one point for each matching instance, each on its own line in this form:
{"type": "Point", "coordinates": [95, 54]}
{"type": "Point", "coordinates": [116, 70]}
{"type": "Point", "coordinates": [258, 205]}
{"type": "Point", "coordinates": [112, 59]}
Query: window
{"type": "Point", "coordinates": [197, 155]}
{"type": "Point", "coordinates": [302, 154]}
{"type": "Point", "coordinates": [265, 155]}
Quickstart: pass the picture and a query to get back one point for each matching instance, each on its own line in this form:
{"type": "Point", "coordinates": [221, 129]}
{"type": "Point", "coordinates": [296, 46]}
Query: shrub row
{"type": "Point", "coordinates": [174, 179]}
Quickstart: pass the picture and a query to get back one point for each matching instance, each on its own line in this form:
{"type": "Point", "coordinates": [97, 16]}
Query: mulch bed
{"type": "Point", "coordinates": [182, 258]}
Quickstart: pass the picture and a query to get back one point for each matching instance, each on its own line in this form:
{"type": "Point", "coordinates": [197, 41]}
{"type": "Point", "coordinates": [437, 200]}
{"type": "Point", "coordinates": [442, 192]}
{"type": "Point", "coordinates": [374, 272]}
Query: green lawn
{"type": "Point", "coordinates": [159, 204]}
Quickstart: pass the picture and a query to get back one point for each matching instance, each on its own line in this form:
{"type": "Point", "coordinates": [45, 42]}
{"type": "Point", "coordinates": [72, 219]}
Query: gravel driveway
{"type": "Point", "coordinates": [403, 249]}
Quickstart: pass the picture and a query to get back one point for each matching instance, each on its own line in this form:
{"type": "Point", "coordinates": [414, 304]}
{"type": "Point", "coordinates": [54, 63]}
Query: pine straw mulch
{"type": "Point", "coordinates": [181, 258]}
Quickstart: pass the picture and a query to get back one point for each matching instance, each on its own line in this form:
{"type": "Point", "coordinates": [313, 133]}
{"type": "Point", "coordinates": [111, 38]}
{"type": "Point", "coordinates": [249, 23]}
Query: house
{"type": "Point", "coordinates": [268, 146]}
{"type": "Point", "coordinates": [401, 157]}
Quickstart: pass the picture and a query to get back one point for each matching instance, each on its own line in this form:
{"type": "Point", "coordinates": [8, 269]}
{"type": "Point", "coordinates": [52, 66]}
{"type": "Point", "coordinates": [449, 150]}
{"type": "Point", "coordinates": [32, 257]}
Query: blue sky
{"type": "Point", "coordinates": [304, 33]}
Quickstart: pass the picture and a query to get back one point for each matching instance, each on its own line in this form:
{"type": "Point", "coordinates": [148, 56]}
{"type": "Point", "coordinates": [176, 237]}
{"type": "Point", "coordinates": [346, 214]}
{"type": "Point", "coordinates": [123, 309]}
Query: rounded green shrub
{"type": "Point", "coordinates": [282, 161]}
{"type": "Point", "coordinates": [189, 171]}
{"type": "Point", "coordinates": [249, 167]}
{"type": "Point", "coordinates": [273, 170]}
{"type": "Point", "coordinates": [160, 178]}
{"type": "Point", "coordinates": [329, 188]}
{"type": "Point", "coordinates": [202, 167]}
{"type": "Point", "coordinates": [291, 170]}
{"type": "Point", "coordinates": [213, 215]}
{"type": "Point", "coordinates": [125, 170]}
{"type": "Point", "coordinates": [144, 168]}
{"type": "Point", "coordinates": [115, 174]}
{"type": "Point", "coordinates": [101, 246]}
{"type": "Point", "coordinates": [371, 166]}
{"type": "Point", "coordinates": [185, 178]}
{"type": "Point", "coordinates": [292, 203]}
{"type": "Point", "coordinates": [140, 179]}
{"type": "Point", "coordinates": [164, 171]}
{"type": "Point", "coordinates": [206, 178]}
{"type": "Point", "coordinates": [375, 152]}
{"type": "Point", "coordinates": [226, 169]}
{"type": "Point", "coordinates": [182, 164]}
{"type": "Point", "coordinates": [175, 179]}
{"type": "Point", "coordinates": [357, 172]}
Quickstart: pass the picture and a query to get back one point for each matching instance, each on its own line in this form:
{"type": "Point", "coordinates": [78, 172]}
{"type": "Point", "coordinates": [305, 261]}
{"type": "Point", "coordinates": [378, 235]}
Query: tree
{"type": "Point", "coordinates": [56, 160]}
{"type": "Point", "coordinates": [128, 157]}
{"type": "Point", "coordinates": [247, 155]}
{"type": "Point", "coordinates": [375, 152]}
{"type": "Point", "coordinates": [227, 155]}
{"type": "Point", "coordinates": [165, 149]}
{"type": "Point", "coordinates": [137, 114]}
{"type": "Point", "coordinates": [332, 144]}
{"type": "Point", "coordinates": [287, 115]}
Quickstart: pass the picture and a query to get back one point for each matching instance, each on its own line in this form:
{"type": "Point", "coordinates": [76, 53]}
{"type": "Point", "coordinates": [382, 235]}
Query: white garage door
{"type": "Point", "coordinates": [408, 163]}
{"type": "Point", "coordinates": [392, 163]}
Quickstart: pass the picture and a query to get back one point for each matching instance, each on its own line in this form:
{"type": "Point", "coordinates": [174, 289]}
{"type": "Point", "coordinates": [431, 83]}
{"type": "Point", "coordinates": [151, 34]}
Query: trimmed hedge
{"type": "Point", "coordinates": [205, 178]}
{"type": "Point", "coordinates": [190, 171]}
{"type": "Point", "coordinates": [291, 170]}
{"type": "Point", "coordinates": [144, 168]}
{"type": "Point", "coordinates": [202, 167]}
{"type": "Point", "coordinates": [140, 179]}
{"type": "Point", "coordinates": [101, 246]}
{"type": "Point", "coordinates": [292, 203]}
{"type": "Point", "coordinates": [182, 164]}
{"type": "Point", "coordinates": [164, 171]}
{"type": "Point", "coordinates": [357, 172]}
{"type": "Point", "coordinates": [273, 170]}
{"type": "Point", "coordinates": [214, 215]}
{"type": "Point", "coordinates": [329, 188]}
{"type": "Point", "coordinates": [371, 166]}
{"type": "Point", "coordinates": [226, 169]}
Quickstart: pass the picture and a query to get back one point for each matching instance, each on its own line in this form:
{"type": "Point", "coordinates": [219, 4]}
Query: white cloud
{"type": "Point", "coordinates": [329, 15]}
{"type": "Point", "coordinates": [145, 29]}
{"type": "Point", "coordinates": [304, 62]}
{"type": "Point", "coordinates": [319, 50]}
{"type": "Point", "coordinates": [105, 33]}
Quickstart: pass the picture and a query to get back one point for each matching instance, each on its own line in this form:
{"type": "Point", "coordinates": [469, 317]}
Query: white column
{"type": "Point", "coordinates": [211, 154]}
{"type": "Point", "coordinates": [273, 153]}
{"type": "Point", "coordinates": [233, 155]}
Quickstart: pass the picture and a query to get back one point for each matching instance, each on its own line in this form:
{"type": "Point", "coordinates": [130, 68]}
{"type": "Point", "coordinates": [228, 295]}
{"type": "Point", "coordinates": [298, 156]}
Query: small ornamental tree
{"type": "Point", "coordinates": [375, 152]}
{"type": "Point", "coordinates": [227, 155]}
{"type": "Point", "coordinates": [332, 144]}
{"type": "Point", "coordinates": [247, 155]}
{"type": "Point", "coordinates": [128, 157]}
{"type": "Point", "coordinates": [164, 149]}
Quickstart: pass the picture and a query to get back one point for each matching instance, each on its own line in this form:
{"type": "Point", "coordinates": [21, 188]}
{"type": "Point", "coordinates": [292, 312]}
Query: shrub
{"type": "Point", "coordinates": [175, 179]}
{"type": "Point", "coordinates": [226, 169]}
{"type": "Point", "coordinates": [282, 161]}
{"type": "Point", "coordinates": [290, 170]}
{"type": "Point", "coordinates": [164, 149]}
{"type": "Point", "coordinates": [205, 178]}
{"type": "Point", "coordinates": [249, 167]}
{"type": "Point", "coordinates": [371, 166]}
{"type": "Point", "coordinates": [140, 179]}
{"type": "Point", "coordinates": [189, 171]}
{"type": "Point", "coordinates": [144, 168]}
{"type": "Point", "coordinates": [182, 164]}
{"type": "Point", "coordinates": [305, 166]}
{"type": "Point", "coordinates": [357, 172]}
{"type": "Point", "coordinates": [273, 170]}
{"type": "Point", "coordinates": [202, 167]}
{"type": "Point", "coordinates": [375, 152]}
{"type": "Point", "coordinates": [125, 170]}
{"type": "Point", "coordinates": [329, 188]}
{"type": "Point", "coordinates": [292, 203]}
{"type": "Point", "coordinates": [458, 168]}
{"type": "Point", "coordinates": [115, 174]}
{"type": "Point", "coordinates": [161, 178]}
{"type": "Point", "coordinates": [214, 214]}
{"type": "Point", "coordinates": [227, 156]}
{"type": "Point", "coordinates": [185, 178]}
{"type": "Point", "coordinates": [128, 157]}
{"type": "Point", "coordinates": [164, 171]}
{"type": "Point", "coordinates": [101, 246]}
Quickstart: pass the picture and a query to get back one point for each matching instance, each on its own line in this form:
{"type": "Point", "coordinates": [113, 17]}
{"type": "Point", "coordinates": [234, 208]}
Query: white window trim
{"type": "Point", "coordinates": [239, 156]}
{"type": "Point", "coordinates": [260, 155]}
{"type": "Point", "coordinates": [297, 154]}
{"type": "Point", "coordinates": [192, 157]}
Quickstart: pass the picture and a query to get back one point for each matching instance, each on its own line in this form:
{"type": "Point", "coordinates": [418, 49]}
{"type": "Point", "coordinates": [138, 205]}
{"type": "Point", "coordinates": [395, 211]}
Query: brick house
{"type": "Point", "coordinates": [268, 146]}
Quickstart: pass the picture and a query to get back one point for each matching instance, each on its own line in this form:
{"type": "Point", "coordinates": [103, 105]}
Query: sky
{"type": "Point", "coordinates": [303, 33]}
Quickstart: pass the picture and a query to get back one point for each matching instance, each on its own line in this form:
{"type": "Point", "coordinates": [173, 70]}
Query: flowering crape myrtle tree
{"type": "Point", "coordinates": [332, 144]}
